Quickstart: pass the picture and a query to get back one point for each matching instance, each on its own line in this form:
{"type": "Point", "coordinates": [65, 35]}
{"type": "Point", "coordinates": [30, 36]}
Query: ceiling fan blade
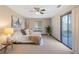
{"type": "Point", "coordinates": [58, 6]}
{"type": "Point", "coordinates": [37, 9]}
{"type": "Point", "coordinates": [41, 12]}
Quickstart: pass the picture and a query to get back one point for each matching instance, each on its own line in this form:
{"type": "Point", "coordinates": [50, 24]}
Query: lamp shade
{"type": "Point", "coordinates": [3, 39]}
{"type": "Point", "coordinates": [8, 31]}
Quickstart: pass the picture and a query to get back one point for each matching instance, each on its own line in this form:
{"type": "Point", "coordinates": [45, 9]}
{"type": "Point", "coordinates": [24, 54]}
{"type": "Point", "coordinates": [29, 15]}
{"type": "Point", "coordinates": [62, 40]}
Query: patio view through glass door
{"type": "Point", "coordinates": [66, 33]}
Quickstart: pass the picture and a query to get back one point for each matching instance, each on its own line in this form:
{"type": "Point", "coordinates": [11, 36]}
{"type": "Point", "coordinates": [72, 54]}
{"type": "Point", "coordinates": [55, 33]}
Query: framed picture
{"type": "Point", "coordinates": [17, 22]}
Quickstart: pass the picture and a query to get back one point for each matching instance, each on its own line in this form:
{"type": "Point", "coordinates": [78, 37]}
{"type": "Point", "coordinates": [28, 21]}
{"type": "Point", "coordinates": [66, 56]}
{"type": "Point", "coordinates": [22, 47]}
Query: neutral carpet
{"type": "Point", "coordinates": [49, 46]}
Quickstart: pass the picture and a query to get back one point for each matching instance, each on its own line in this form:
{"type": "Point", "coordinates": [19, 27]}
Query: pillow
{"type": "Point", "coordinates": [23, 32]}
{"type": "Point", "coordinates": [27, 31]}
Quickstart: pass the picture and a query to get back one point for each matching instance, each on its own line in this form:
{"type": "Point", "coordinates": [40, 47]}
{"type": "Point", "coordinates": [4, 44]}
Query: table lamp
{"type": "Point", "coordinates": [8, 31]}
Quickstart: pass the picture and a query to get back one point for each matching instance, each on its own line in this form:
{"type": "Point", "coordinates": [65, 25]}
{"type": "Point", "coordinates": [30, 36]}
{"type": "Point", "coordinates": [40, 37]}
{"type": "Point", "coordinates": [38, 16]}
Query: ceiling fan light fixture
{"type": "Point", "coordinates": [58, 6]}
{"type": "Point", "coordinates": [38, 10]}
{"type": "Point", "coordinates": [37, 13]}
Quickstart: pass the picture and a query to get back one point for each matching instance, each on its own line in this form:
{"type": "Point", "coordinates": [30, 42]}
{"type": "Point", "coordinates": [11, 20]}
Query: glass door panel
{"type": "Point", "coordinates": [66, 30]}
{"type": "Point", "coordinates": [70, 32]}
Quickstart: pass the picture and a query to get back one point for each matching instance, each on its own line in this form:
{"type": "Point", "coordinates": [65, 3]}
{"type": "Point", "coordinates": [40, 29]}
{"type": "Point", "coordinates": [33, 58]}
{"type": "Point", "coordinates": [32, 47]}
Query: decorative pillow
{"type": "Point", "coordinates": [23, 32]}
{"type": "Point", "coordinates": [27, 31]}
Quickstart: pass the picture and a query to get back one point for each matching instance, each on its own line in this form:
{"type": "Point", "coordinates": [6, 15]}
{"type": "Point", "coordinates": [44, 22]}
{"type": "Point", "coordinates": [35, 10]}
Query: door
{"type": "Point", "coordinates": [66, 31]}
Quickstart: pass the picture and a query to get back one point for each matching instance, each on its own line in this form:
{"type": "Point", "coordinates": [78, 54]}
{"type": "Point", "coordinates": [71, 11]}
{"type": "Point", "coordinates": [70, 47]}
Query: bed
{"type": "Point", "coordinates": [30, 37]}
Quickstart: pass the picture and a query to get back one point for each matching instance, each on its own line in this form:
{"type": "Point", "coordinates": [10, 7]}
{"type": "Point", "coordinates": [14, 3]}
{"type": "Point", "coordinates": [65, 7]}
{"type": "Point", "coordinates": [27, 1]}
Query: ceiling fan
{"type": "Point", "coordinates": [58, 6]}
{"type": "Point", "coordinates": [39, 10]}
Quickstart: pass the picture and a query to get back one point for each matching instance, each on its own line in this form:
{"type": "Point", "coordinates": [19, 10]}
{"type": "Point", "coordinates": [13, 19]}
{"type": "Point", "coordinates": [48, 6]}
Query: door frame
{"type": "Point", "coordinates": [61, 28]}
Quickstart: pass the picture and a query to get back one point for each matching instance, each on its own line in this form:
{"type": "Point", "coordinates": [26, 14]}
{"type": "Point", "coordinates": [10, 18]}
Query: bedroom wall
{"type": "Point", "coordinates": [55, 21]}
{"type": "Point", "coordinates": [75, 24]}
{"type": "Point", "coordinates": [75, 27]}
{"type": "Point", "coordinates": [56, 27]}
{"type": "Point", "coordinates": [30, 22]}
{"type": "Point", "coordinates": [5, 16]}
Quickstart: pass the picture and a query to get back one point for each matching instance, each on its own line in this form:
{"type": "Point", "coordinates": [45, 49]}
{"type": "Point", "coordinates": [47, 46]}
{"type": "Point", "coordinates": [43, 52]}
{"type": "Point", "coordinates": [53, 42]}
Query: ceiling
{"type": "Point", "coordinates": [27, 10]}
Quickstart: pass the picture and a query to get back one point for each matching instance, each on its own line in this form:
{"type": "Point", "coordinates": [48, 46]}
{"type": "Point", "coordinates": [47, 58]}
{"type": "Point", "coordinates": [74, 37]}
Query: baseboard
{"type": "Point", "coordinates": [60, 41]}
{"type": "Point", "coordinates": [55, 38]}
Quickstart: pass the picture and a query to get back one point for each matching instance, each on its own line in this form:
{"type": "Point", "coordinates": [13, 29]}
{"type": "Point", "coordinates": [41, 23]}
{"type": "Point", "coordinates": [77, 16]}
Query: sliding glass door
{"type": "Point", "coordinates": [66, 33]}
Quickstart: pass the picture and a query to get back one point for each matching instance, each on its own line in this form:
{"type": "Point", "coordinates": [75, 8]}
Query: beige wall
{"type": "Point", "coordinates": [30, 22]}
{"type": "Point", "coordinates": [56, 27]}
{"type": "Point", "coordinates": [75, 26]}
{"type": "Point", "coordinates": [75, 18]}
{"type": "Point", "coordinates": [56, 21]}
{"type": "Point", "coordinates": [5, 16]}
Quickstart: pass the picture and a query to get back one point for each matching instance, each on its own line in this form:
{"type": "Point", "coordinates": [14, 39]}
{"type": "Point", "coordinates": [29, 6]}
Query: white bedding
{"type": "Point", "coordinates": [18, 37]}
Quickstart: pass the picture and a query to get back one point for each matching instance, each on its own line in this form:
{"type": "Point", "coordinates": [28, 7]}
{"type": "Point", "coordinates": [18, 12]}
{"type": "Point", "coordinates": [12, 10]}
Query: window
{"type": "Point", "coordinates": [66, 32]}
{"type": "Point", "coordinates": [37, 25]}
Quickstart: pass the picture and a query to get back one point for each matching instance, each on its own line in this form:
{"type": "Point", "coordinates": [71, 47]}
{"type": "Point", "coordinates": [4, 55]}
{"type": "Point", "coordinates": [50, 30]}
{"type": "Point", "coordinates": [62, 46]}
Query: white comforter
{"type": "Point", "coordinates": [18, 37]}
